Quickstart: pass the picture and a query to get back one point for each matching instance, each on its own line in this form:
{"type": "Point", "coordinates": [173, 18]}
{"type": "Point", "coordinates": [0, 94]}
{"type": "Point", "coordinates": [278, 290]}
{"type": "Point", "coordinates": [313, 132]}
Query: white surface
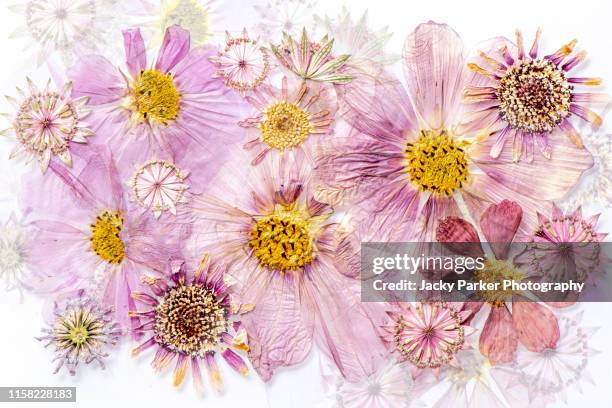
{"type": "Point", "coordinates": [129, 381]}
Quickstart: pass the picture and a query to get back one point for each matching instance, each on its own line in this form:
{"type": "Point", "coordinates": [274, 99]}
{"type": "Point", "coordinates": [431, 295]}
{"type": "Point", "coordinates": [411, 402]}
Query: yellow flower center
{"type": "Point", "coordinates": [189, 14]}
{"type": "Point", "coordinates": [78, 335]}
{"type": "Point", "coordinates": [286, 125]}
{"type": "Point", "coordinates": [156, 97]}
{"type": "Point", "coordinates": [534, 96]}
{"type": "Point", "coordinates": [105, 237]}
{"type": "Point", "coordinates": [437, 162]}
{"type": "Point", "coordinates": [497, 271]}
{"type": "Point", "coordinates": [282, 241]}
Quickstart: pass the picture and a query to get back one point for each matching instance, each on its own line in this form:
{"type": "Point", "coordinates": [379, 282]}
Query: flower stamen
{"type": "Point", "coordinates": [436, 162]}
{"type": "Point", "coordinates": [156, 97]}
{"type": "Point", "coordinates": [286, 125]}
{"type": "Point", "coordinates": [105, 237]}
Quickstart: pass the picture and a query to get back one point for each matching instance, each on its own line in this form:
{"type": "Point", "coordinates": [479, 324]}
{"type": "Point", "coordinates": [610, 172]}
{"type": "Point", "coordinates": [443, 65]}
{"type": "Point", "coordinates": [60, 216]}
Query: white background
{"type": "Point", "coordinates": [131, 381]}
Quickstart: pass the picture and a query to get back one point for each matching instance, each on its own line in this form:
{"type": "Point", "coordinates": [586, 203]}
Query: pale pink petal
{"type": "Point", "coordinates": [279, 327]}
{"type": "Point", "coordinates": [96, 77]}
{"type": "Point", "coordinates": [173, 49]}
{"type": "Point", "coordinates": [536, 325]}
{"type": "Point", "coordinates": [498, 340]}
{"type": "Point", "coordinates": [135, 52]}
{"type": "Point", "coordinates": [434, 69]}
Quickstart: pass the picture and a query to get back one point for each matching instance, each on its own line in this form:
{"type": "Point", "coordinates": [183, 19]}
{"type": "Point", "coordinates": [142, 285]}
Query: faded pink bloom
{"type": "Point", "coordinates": [291, 120]}
{"type": "Point", "coordinates": [243, 62]}
{"type": "Point", "coordinates": [15, 245]}
{"type": "Point", "coordinates": [528, 100]}
{"type": "Point", "coordinates": [190, 315]}
{"type": "Point", "coordinates": [286, 257]}
{"type": "Point", "coordinates": [284, 16]}
{"type": "Point", "coordinates": [85, 236]}
{"type": "Point", "coordinates": [411, 159]}
{"type": "Point", "coordinates": [47, 122]}
{"type": "Point", "coordinates": [428, 335]}
{"type": "Point", "coordinates": [533, 324]}
{"type": "Point", "coordinates": [172, 107]}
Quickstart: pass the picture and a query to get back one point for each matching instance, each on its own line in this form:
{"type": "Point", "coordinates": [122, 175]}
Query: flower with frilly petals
{"type": "Point", "coordinates": [285, 256]}
{"type": "Point", "coordinates": [403, 169]}
{"type": "Point", "coordinates": [14, 251]}
{"type": "Point", "coordinates": [86, 236]}
{"type": "Point", "coordinates": [355, 38]}
{"type": "Point", "coordinates": [171, 106]}
{"type": "Point", "coordinates": [243, 63]}
{"type": "Point", "coordinates": [283, 16]}
{"type": "Point", "coordinates": [389, 387]}
{"type": "Point", "coordinates": [81, 332]}
{"type": "Point", "coordinates": [191, 317]}
{"type": "Point", "coordinates": [428, 335]}
{"type": "Point", "coordinates": [47, 122]}
{"type": "Point", "coordinates": [531, 323]}
{"type": "Point", "coordinates": [291, 119]}
{"type": "Point", "coordinates": [311, 60]}
{"type": "Point", "coordinates": [527, 99]}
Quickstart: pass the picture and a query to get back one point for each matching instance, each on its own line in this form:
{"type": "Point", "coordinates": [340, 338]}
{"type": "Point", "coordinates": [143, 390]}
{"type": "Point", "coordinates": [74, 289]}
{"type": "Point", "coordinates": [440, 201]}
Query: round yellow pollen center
{"type": "Point", "coordinates": [534, 96]}
{"type": "Point", "coordinates": [105, 237]}
{"type": "Point", "coordinates": [156, 97]}
{"type": "Point", "coordinates": [497, 271]}
{"type": "Point", "coordinates": [436, 162]}
{"type": "Point", "coordinates": [282, 241]}
{"type": "Point", "coordinates": [286, 125]}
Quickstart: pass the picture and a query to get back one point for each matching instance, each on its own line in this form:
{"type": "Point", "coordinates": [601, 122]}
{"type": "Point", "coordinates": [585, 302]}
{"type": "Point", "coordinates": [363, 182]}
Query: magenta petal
{"type": "Point", "coordinates": [135, 53]}
{"type": "Point", "coordinates": [498, 340]}
{"type": "Point", "coordinates": [235, 361]}
{"type": "Point", "coordinates": [174, 48]}
{"type": "Point", "coordinates": [536, 325]}
{"type": "Point", "coordinates": [499, 223]}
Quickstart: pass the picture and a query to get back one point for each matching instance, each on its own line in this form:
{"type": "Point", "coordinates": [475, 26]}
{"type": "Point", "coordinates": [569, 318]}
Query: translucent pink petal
{"type": "Point", "coordinates": [97, 77]}
{"type": "Point", "coordinates": [135, 52]}
{"type": "Point", "coordinates": [434, 68]}
{"type": "Point", "coordinates": [173, 49]}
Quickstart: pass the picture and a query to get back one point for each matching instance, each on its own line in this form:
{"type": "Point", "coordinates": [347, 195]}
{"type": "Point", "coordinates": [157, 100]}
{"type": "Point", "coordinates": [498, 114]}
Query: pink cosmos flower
{"type": "Point", "coordinates": [47, 122]}
{"type": "Point", "coordinates": [531, 323]}
{"type": "Point", "coordinates": [428, 335]}
{"type": "Point", "coordinates": [527, 99]}
{"type": "Point", "coordinates": [86, 236]}
{"type": "Point", "coordinates": [286, 257]}
{"type": "Point", "coordinates": [191, 317]}
{"type": "Point", "coordinates": [171, 106]}
{"type": "Point", "coordinates": [291, 120]}
{"type": "Point", "coordinates": [243, 62]}
{"type": "Point", "coordinates": [414, 157]}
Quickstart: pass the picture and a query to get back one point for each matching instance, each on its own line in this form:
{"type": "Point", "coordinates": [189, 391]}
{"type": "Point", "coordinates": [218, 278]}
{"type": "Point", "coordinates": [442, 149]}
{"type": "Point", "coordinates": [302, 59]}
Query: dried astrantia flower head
{"type": "Point", "coordinates": [82, 332]}
{"type": "Point", "coordinates": [46, 122]}
{"type": "Point", "coordinates": [311, 60]}
{"type": "Point", "coordinates": [243, 62]}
